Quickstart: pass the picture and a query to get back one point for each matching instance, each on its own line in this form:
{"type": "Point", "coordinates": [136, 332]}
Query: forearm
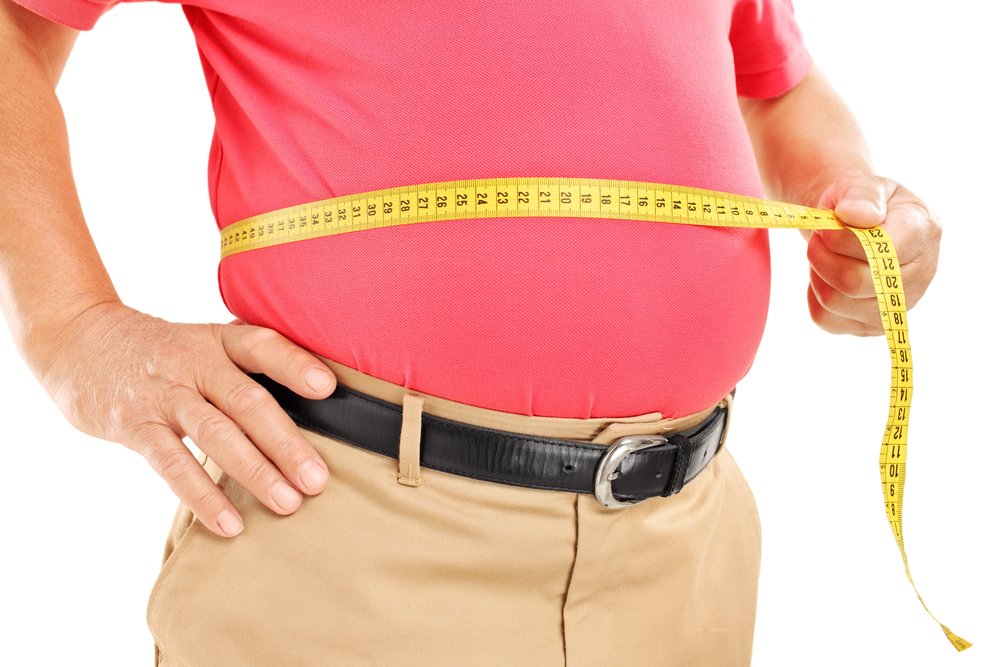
{"type": "Point", "coordinates": [804, 140]}
{"type": "Point", "coordinates": [50, 270]}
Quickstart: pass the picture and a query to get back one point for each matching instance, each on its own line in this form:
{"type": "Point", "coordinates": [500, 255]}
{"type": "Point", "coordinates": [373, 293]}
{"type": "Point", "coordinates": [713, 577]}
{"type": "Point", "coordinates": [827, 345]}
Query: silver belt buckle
{"type": "Point", "coordinates": [607, 468]}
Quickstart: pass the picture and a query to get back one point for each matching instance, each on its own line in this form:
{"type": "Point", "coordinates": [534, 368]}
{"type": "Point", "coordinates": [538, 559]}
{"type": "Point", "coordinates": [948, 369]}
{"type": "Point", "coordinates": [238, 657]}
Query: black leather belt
{"type": "Point", "coordinates": [641, 466]}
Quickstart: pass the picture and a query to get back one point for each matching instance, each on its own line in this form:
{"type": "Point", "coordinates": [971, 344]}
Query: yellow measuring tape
{"type": "Point", "coordinates": [621, 200]}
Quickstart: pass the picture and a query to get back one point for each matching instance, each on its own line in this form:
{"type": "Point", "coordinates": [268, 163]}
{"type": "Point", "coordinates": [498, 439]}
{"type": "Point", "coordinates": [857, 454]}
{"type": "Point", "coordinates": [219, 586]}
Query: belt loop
{"type": "Point", "coordinates": [409, 440]}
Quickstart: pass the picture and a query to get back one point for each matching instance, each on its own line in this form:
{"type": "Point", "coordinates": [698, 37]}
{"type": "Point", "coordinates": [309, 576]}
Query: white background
{"type": "Point", "coordinates": [86, 519]}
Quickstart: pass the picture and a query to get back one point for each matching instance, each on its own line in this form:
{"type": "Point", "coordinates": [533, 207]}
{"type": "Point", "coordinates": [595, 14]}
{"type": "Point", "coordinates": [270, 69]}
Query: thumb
{"type": "Point", "coordinates": [858, 200]}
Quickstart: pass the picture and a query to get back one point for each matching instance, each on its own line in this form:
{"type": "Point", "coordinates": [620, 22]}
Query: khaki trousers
{"type": "Point", "coordinates": [397, 565]}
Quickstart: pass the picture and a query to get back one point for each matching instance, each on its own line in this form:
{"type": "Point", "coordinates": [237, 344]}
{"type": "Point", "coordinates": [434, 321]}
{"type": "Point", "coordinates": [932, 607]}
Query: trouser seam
{"type": "Point", "coordinates": [569, 578]}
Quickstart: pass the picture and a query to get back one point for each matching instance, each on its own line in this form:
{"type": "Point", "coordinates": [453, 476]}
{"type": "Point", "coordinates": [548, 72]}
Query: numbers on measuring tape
{"type": "Point", "coordinates": [626, 200]}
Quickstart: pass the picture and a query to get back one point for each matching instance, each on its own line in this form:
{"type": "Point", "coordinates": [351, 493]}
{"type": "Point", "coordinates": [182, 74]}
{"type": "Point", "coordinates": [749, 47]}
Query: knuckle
{"type": "Point", "coordinates": [825, 319]}
{"type": "Point", "coordinates": [813, 250]}
{"type": "Point", "coordinates": [289, 448]}
{"type": "Point", "coordinates": [934, 223]}
{"type": "Point", "coordinates": [119, 411]}
{"type": "Point", "coordinates": [829, 324]}
{"type": "Point", "coordinates": [205, 375]}
{"type": "Point", "coordinates": [173, 395]}
{"type": "Point", "coordinates": [259, 337]}
{"type": "Point", "coordinates": [207, 501]}
{"type": "Point", "coordinates": [888, 186]}
{"type": "Point", "coordinates": [258, 473]}
{"type": "Point", "coordinates": [215, 329]}
{"type": "Point", "coordinates": [209, 427]}
{"type": "Point", "coordinates": [823, 293]}
{"type": "Point", "coordinates": [173, 465]}
{"type": "Point", "coordinates": [247, 397]}
{"type": "Point", "coordinates": [835, 326]}
{"type": "Point", "coordinates": [852, 281]}
{"type": "Point", "coordinates": [141, 438]}
{"type": "Point", "coordinates": [816, 311]}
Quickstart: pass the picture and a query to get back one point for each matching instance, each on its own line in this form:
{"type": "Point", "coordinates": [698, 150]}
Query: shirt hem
{"type": "Point", "coordinates": [777, 80]}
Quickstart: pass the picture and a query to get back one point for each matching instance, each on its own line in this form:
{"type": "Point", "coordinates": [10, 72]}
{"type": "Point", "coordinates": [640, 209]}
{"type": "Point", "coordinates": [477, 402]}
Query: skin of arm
{"type": "Point", "coordinates": [40, 296]}
{"type": "Point", "coordinates": [114, 372]}
{"type": "Point", "coordinates": [810, 150]}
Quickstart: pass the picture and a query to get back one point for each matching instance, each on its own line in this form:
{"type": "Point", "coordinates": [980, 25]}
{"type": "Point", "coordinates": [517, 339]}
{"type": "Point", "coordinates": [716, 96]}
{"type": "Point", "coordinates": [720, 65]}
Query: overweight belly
{"type": "Point", "coordinates": [565, 317]}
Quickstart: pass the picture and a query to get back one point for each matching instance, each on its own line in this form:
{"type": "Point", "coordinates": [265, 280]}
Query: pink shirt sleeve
{"type": "Point", "coordinates": [769, 53]}
{"type": "Point", "coordinates": [79, 14]}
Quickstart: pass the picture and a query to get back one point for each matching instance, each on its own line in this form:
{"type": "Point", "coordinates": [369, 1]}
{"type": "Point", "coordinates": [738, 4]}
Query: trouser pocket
{"type": "Point", "coordinates": [372, 572]}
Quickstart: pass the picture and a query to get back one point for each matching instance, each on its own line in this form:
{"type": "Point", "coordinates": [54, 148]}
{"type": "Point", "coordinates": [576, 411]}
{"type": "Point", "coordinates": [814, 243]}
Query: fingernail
{"type": "Point", "coordinates": [318, 379]}
{"type": "Point", "coordinates": [284, 496]}
{"type": "Point", "coordinates": [311, 474]}
{"type": "Point", "coordinates": [229, 523]}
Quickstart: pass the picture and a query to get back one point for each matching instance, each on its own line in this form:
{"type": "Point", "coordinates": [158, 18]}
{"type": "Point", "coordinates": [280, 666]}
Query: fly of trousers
{"type": "Point", "coordinates": [398, 565]}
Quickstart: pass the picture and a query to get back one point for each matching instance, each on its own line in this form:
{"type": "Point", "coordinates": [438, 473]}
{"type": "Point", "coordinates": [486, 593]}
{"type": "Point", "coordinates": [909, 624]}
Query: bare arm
{"type": "Point", "coordinates": [116, 373]}
{"type": "Point", "coordinates": [804, 140]}
{"type": "Point", "coordinates": [811, 151]}
{"type": "Point", "coordinates": [50, 271]}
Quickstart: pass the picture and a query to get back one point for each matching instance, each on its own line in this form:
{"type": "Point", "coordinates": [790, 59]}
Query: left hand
{"type": "Point", "coordinates": [841, 295]}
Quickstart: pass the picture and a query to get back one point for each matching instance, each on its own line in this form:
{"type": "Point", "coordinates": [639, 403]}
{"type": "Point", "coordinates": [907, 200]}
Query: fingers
{"type": "Point", "coordinates": [852, 277]}
{"type": "Point", "coordinates": [860, 315]}
{"type": "Point", "coordinates": [914, 229]}
{"type": "Point", "coordinates": [262, 350]}
{"type": "Point", "coordinates": [908, 222]}
{"type": "Point", "coordinates": [835, 323]}
{"type": "Point", "coordinates": [276, 450]}
{"type": "Point", "coordinates": [847, 275]}
{"type": "Point", "coordinates": [841, 290]}
{"type": "Point", "coordinates": [185, 476]}
{"type": "Point", "coordinates": [173, 380]}
{"type": "Point", "coordinates": [859, 200]}
{"type": "Point", "coordinates": [843, 242]}
{"type": "Point", "coordinates": [219, 437]}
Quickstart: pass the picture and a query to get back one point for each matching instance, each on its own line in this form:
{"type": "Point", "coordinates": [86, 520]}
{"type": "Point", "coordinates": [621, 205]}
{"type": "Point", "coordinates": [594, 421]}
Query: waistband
{"type": "Point", "coordinates": [597, 430]}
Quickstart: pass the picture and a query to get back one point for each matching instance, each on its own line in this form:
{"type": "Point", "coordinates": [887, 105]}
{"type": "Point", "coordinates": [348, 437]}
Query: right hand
{"type": "Point", "coordinates": [128, 377]}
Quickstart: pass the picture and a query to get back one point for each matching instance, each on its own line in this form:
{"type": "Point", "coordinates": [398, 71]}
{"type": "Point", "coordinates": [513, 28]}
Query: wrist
{"type": "Point", "coordinates": [808, 189]}
{"type": "Point", "coordinates": [47, 339]}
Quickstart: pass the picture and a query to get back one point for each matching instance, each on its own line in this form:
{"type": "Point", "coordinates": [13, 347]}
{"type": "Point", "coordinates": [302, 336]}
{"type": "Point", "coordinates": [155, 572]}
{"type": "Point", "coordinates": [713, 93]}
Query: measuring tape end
{"type": "Point", "coordinates": [956, 641]}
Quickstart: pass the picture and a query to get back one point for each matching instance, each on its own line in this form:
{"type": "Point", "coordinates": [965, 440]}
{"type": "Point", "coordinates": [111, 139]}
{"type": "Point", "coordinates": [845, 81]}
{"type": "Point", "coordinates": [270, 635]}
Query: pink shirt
{"type": "Point", "coordinates": [563, 317]}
